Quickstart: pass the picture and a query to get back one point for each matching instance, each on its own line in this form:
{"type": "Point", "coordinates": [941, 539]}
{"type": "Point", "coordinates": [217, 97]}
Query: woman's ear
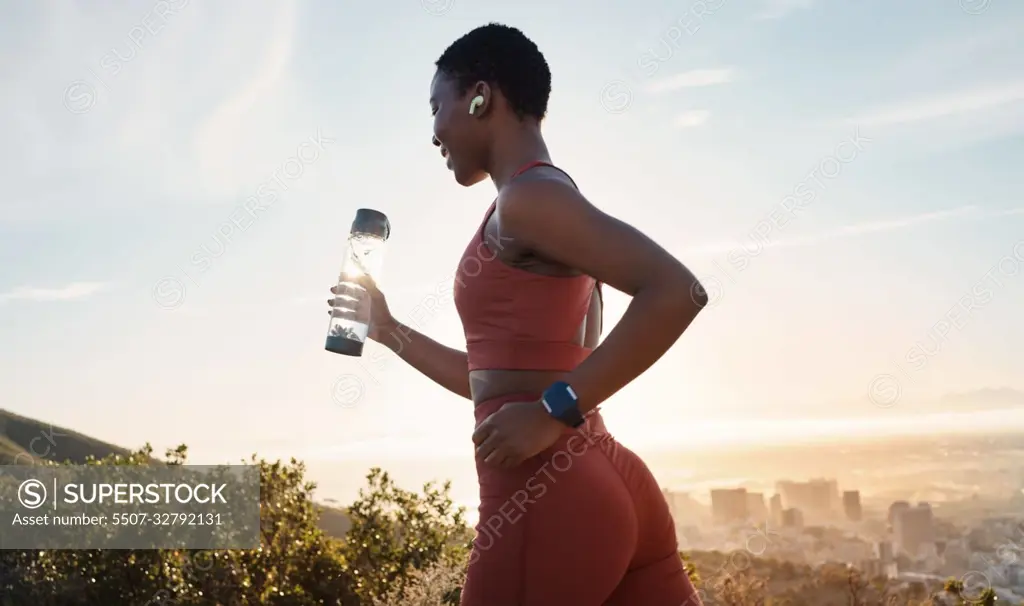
{"type": "Point", "coordinates": [480, 100]}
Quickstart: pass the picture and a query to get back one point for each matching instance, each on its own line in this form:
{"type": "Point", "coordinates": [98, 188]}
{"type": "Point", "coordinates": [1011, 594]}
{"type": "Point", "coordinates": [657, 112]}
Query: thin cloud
{"type": "Point", "coordinates": [75, 290]}
{"type": "Point", "coordinates": [933, 108]}
{"type": "Point", "coordinates": [892, 224]}
{"type": "Point", "coordinates": [692, 78]}
{"type": "Point", "coordinates": [219, 139]}
{"type": "Point", "coordinates": [871, 227]}
{"type": "Point", "coordinates": [1008, 212]}
{"type": "Point", "coordinates": [692, 118]}
{"type": "Point", "coordinates": [858, 229]}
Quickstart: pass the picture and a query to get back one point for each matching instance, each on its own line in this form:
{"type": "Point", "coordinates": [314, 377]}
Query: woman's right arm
{"type": "Point", "coordinates": [447, 367]}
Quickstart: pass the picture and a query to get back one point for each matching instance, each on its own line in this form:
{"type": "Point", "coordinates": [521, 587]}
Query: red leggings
{"type": "Point", "coordinates": [584, 523]}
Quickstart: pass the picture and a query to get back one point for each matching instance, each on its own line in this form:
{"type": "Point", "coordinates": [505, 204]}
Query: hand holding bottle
{"type": "Point", "coordinates": [358, 310]}
{"type": "Point", "coordinates": [382, 323]}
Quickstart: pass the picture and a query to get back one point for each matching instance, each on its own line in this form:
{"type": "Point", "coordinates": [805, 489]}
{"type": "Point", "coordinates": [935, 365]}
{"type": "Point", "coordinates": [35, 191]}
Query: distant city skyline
{"type": "Point", "coordinates": [971, 541]}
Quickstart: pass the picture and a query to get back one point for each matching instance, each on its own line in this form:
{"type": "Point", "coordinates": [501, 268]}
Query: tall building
{"type": "Point", "coordinates": [912, 528]}
{"type": "Point", "coordinates": [895, 509]}
{"type": "Point", "coordinates": [834, 499]}
{"type": "Point", "coordinates": [851, 505]}
{"type": "Point", "coordinates": [776, 509]}
{"type": "Point", "coordinates": [756, 508]}
{"type": "Point", "coordinates": [792, 518]}
{"type": "Point", "coordinates": [817, 499]}
{"type": "Point", "coordinates": [884, 552]}
{"type": "Point", "coordinates": [729, 505]}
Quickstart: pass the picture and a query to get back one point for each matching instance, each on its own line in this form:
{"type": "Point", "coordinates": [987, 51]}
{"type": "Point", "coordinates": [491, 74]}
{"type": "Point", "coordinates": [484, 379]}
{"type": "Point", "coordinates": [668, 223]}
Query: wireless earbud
{"type": "Point", "coordinates": [475, 103]}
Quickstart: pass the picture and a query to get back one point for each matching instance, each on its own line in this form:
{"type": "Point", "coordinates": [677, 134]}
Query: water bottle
{"type": "Point", "coordinates": [350, 322]}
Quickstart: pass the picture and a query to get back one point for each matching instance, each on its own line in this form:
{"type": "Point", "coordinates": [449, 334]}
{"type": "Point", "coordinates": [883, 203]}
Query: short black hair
{"type": "Point", "coordinates": [506, 59]}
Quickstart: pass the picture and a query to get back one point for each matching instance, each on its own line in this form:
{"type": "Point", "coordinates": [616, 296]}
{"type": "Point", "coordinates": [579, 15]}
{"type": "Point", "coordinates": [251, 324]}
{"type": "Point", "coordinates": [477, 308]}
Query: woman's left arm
{"type": "Point", "coordinates": [559, 224]}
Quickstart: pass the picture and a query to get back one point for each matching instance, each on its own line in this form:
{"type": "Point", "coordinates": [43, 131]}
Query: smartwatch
{"type": "Point", "coordinates": [562, 403]}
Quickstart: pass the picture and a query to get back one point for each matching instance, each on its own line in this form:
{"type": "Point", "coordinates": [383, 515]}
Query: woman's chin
{"type": "Point", "coordinates": [468, 178]}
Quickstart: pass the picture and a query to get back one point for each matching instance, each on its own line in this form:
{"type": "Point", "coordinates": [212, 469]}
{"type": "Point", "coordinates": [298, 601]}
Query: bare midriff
{"type": "Point", "coordinates": [490, 384]}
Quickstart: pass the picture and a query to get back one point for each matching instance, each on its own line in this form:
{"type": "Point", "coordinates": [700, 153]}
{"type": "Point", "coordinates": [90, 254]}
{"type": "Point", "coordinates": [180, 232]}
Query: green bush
{"type": "Point", "coordinates": [393, 534]}
{"type": "Point", "coordinates": [395, 531]}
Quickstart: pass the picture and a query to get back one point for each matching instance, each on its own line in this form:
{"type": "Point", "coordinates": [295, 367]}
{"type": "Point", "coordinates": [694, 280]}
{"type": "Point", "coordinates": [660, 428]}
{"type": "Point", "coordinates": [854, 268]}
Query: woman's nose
{"type": "Point", "coordinates": [436, 142]}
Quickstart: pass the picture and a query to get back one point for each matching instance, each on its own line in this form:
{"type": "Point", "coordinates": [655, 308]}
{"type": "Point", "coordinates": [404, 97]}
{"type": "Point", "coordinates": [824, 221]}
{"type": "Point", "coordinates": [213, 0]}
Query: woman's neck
{"type": "Point", "coordinates": [517, 148]}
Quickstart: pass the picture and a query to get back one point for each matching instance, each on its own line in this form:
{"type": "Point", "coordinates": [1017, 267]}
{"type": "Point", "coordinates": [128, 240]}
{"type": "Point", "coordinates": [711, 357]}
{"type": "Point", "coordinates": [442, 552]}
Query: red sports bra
{"type": "Point", "coordinates": [515, 319]}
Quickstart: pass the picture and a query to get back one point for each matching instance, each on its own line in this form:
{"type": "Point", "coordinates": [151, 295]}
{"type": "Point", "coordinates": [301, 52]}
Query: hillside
{"type": "Point", "coordinates": [24, 440]}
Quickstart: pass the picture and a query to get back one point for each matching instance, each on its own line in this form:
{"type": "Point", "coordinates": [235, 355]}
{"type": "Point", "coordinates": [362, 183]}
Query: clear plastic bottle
{"type": "Point", "coordinates": [350, 321]}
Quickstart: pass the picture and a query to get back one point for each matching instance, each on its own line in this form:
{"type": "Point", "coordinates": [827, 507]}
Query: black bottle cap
{"type": "Point", "coordinates": [373, 222]}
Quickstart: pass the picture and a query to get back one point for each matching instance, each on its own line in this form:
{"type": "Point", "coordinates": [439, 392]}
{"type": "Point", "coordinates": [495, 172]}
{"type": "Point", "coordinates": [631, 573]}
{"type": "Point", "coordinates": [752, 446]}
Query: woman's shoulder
{"type": "Point", "coordinates": [539, 186]}
{"type": "Point", "coordinates": [546, 172]}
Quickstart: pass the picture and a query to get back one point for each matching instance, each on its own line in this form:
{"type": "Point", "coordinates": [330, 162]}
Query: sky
{"type": "Point", "coordinates": [843, 176]}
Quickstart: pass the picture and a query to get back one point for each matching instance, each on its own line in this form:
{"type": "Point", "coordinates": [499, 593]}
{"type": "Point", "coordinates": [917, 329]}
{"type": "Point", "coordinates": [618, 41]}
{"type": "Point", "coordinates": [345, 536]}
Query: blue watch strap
{"type": "Point", "coordinates": [562, 403]}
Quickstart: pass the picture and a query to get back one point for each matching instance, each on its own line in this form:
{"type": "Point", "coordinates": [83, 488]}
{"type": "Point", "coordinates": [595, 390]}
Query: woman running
{"type": "Point", "coordinates": [568, 516]}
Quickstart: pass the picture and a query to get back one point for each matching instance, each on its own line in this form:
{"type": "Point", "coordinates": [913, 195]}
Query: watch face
{"type": "Point", "coordinates": [560, 402]}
